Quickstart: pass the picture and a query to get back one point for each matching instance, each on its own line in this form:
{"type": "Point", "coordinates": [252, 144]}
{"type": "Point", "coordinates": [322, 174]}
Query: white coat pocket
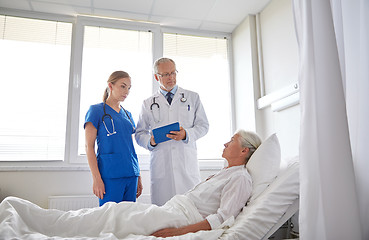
{"type": "Point", "coordinates": [186, 115]}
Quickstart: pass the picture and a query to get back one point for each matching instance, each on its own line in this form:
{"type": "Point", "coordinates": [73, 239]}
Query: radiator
{"type": "Point", "coordinates": [76, 202]}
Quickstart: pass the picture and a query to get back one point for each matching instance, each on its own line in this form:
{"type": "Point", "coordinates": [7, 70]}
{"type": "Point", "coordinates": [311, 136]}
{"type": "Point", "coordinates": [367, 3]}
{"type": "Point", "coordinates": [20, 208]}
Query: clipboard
{"type": "Point", "coordinates": [161, 132]}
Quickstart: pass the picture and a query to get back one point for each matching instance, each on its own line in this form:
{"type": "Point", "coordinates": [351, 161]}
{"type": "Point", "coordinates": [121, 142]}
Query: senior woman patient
{"type": "Point", "coordinates": [207, 206]}
{"type": "Point", "coordinates": [224, 194]}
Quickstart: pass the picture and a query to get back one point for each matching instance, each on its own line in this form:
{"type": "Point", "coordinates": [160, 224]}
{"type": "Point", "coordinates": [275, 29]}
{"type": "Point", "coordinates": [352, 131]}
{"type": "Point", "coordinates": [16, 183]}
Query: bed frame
{"type": "Point", "coordinates": [294, 207]}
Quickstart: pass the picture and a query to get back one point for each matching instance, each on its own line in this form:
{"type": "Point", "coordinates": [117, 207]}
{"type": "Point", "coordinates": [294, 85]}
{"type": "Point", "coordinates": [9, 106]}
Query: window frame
{"type": "Point", "coordinates": [72, 161]}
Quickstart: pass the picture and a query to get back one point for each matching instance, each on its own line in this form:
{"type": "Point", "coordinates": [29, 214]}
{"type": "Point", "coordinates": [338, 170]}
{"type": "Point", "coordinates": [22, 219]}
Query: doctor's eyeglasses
{"type": "Point", "coordinates": [166, 75]}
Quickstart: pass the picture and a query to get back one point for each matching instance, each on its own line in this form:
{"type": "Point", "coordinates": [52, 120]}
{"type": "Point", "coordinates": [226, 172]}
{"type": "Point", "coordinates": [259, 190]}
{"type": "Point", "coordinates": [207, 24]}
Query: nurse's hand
{"type": "Point", "coordinates": [177, 135]}
{"type": "Point", "coordinates": [139, 187]}
{"type": "Point", "coordinates": [99, 188]}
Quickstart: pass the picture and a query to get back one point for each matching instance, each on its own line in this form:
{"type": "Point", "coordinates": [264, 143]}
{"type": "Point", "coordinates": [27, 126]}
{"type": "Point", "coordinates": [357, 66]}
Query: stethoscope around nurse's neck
{"type": "Point", "coordinates": [157, 106]}
{"type": "Point", "coordinates": [112, 122]}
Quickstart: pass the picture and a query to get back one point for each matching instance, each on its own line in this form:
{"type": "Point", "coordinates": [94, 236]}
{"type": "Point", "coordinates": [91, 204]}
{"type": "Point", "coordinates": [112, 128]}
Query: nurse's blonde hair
{"type": "Point", "coordinates": [114, 77]}
{"type": "Point", "coordinates": [250, 140]}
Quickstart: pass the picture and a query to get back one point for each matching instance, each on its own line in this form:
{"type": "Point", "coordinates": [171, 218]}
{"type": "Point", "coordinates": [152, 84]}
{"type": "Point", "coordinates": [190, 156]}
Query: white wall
{"type": "Point", "coordinates": [280, 52]}
{"type": "Point", "coordinates": [280, 68]}
{"type": "Point", "coordinates": [280, 55]}
{"type": "Point", "coordinates": [244, 73]}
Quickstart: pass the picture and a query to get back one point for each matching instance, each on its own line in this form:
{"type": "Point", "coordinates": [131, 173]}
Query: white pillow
{"type": "Point", "coordinates": [263, 165]}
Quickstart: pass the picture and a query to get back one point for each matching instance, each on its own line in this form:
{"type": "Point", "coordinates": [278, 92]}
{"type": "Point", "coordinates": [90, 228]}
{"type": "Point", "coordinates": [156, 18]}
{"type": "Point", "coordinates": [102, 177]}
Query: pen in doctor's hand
{"type": "Point", "coordinates": [188, 107]}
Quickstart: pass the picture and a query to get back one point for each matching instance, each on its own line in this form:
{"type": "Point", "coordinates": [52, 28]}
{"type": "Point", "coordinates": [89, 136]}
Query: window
{"type": "Point", "coordinates": [203, 67]}
{"type": "Point", "coordinates": [106, 50]}
{"type": "Point", "coordinates": [49, 80]}
{"type": "Point", "coordinates": [34, 60]}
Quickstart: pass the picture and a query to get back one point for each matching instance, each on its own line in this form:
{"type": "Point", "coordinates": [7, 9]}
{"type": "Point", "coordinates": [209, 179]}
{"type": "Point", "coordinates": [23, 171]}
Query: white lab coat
{"type": "Point", "coordinates": [174, 166]}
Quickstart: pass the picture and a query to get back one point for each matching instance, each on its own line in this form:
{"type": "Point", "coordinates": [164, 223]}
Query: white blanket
{"type": "Point", "coordinates": [21, 219]}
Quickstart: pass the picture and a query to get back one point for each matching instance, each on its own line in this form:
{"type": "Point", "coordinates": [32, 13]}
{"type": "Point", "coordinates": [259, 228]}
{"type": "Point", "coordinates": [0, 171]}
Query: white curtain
{"type": "Point", "coordinates": [333, 38]}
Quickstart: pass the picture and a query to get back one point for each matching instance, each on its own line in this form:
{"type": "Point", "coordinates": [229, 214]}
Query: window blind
{"type": "Point", "coordinates": [34, 76]}
{"type": "Point", "coordinates": [35, 30]}
{"type": "Point", "coordinates": [194, 46]}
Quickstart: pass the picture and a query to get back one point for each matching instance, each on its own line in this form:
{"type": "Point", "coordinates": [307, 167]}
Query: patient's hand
{"type": "Point", "coordinates": [168, 232]}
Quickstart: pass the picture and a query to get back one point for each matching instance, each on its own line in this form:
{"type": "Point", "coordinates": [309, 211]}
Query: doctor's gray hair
{"type": "Point", "coordinates": [160, 61]}
{"type": "Point", "coordinates": [250, 140]}
{"type": "Point", "coordinates": [115, 76]}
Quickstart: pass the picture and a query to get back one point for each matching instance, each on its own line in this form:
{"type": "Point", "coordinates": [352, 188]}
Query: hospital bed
{"type": "Point", "coordinates": [274, 200]}
{"type": "Point", "coordinates": [267, 213]}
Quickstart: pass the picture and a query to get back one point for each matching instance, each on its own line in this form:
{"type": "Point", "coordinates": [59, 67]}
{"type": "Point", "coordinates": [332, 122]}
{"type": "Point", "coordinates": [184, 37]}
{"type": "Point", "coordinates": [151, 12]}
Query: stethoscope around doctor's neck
{"type": "Point", "coordinates": [112, 122]}
{"type": "Point", "coordinates": [157, 106]}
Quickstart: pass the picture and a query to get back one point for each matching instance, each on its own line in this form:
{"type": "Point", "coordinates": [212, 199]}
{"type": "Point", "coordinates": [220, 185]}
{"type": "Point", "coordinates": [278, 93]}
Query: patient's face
{"type": "Point", "coordinates": [232, 149]}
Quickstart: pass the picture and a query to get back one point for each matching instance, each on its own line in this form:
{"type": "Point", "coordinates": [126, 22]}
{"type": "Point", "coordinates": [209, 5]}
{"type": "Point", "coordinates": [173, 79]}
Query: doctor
{"type": "Point", "coordinates": [174, 166]}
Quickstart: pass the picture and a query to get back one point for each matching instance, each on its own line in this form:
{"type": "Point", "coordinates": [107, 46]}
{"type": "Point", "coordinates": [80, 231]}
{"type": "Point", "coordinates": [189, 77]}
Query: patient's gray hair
{"type": "Point", "coordinates": [250, 140]}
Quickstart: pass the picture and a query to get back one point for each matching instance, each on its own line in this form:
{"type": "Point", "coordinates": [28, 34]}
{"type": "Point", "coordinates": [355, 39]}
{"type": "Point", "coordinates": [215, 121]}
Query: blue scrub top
{"type": "Point", "coordinates": [116, 155]}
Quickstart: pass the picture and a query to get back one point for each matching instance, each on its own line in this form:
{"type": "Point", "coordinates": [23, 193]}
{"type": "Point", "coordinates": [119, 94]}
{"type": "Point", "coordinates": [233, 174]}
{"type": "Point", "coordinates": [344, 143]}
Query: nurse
{"type": "Point", "coordinates": [114, 168]}
{"type": "Point", "coordinates": [174, 166]}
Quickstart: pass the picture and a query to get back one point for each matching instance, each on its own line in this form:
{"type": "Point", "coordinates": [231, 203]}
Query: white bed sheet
{"type": "Point", "coordinates": [21, 219]}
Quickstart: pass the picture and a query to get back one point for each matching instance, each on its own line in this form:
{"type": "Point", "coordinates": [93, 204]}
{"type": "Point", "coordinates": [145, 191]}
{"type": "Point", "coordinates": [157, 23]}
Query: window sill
{"type": "Point", "coordinates": [42, 166]}
{"type": "Point", "coordinates": [204, 165]}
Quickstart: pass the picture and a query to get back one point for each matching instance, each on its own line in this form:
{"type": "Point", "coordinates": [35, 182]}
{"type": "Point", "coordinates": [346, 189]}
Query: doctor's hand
{"type": "Point", "coordinates": [177, 135]}
{"type": "Point", "coordinates": [152, 141]}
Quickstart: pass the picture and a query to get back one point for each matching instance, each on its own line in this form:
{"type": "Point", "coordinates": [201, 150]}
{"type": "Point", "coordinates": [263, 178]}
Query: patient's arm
{"type": "Point", "coordinates": [169, 232]}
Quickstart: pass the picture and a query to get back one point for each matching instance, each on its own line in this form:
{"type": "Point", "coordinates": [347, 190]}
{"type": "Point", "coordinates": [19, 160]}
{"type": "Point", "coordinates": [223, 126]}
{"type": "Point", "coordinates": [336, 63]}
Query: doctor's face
{"type": "Point", "coordinates": [167, 75]}
{"type": "Point", "coordinates": [120, 89]}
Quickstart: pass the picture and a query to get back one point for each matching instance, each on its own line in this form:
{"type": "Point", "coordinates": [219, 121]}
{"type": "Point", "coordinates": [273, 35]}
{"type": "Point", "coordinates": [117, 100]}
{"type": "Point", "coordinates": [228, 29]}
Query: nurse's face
{"type": "Point", "coordinates": [120, 89]}
{"type": "Point", "coordinates": [167, 75]}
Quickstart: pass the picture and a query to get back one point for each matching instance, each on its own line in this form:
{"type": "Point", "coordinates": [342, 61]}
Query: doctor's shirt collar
{"type": "Point", "coordinates": [173, 91]}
